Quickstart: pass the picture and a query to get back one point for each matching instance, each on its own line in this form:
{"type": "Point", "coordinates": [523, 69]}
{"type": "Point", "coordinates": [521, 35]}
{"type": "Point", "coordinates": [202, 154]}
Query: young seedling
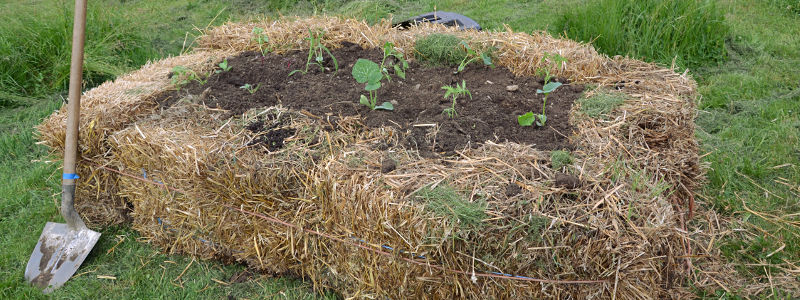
{"type": "Point", "coordinates": [224, 66]}
{"type": "Point", "coordinates": [399, 68]}
{"type": "Point", "coordinates": [261, 39]}
{"type": "Point", "coordinates": [472, 56]}
{"type": "Point", "coordinates": [182, 75]}
{"type": "Point", "coordinates": [250, 88]}
{"type": "Point", "coordinates": [528, 118]}
{"type": "Point", "coordinates": [556, 59]}
{"type": "Point", "coordinates": [316, 50]}
{"type": "Point", "coordinates": [455, 92]}
{"type": "Point", "coordinates": [367, 71]}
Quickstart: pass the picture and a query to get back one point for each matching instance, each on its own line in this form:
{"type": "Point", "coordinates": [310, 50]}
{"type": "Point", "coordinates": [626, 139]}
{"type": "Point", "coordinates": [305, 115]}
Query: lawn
{"type": "Point", "coordinates": [748, 127]}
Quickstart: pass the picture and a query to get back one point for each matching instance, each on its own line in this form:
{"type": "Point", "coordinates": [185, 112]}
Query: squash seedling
{"type": "Point", "coordinates": [261, 39]}
{"type": "Point", "coordinates": [528, 118]}
{"type": "Point", "coordinates": [455, 92]}
{"type": "Point", "coordinates": [473, 55]}
{"type": "Point", "coordinates": [250, 88]}
{"type": "Point", "coordinates": [316, 50]}
{"type": "Point", "coordinates": [224, 66]}
{"type": "Point", "coordinates": [367, 71]}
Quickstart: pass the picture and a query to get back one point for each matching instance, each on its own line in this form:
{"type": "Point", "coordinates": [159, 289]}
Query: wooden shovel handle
{"type": "Point", "coordinates": [73, 118]}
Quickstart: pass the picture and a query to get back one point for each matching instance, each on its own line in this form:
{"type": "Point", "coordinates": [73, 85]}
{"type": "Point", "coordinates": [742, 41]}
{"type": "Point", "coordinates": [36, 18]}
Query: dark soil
{"type": "Point", "coordinates": [491, 113]}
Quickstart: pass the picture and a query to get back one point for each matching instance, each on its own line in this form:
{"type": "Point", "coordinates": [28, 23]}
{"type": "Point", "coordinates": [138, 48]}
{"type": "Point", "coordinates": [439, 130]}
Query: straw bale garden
{"type": "Point", "coordinates": [426, 162]}
{"type": "Point", "coordinates": [350, 158]}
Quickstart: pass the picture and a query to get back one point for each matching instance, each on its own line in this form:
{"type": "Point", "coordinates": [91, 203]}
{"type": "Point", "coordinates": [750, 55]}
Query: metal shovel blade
{"type": "Point", "coordinates": [58, 254]}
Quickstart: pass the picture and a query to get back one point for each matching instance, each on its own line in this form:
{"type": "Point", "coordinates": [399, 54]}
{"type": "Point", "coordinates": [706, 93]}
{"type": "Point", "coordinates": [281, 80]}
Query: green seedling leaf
{"type": "Point", "coordinates": [295, 71]}
{"type": "Point", "coordinates": [541, 120]}
{"type": "Point", "coordinates": [486, 59]}
{"type": "Point", "coordinates": [385, 106]}
{"type": "Point", "coordinates": [365, 101]}
{"type": "Point", "coordinates": [371, 86]}
{"type": "Point", "coordinates": [367, 71]}
{"type": "Point", "coordinates": [399, 72]}
{"type": "Point", "coordinates": [526, 119]}
{"type": "Point", "coordinates": [549, 87]}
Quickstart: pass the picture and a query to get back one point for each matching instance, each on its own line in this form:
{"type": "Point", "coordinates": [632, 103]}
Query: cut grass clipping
{"type": "Point", "coordinates": [601, 103]}
{"type": "Point", "coordinates": [560, 158]}
{"type": "Point", "coordinates": [440, 49]}
{"type": "Point", "coordinates": [446, 202]}
{"type": "Point", "coordinates": [690, 32]}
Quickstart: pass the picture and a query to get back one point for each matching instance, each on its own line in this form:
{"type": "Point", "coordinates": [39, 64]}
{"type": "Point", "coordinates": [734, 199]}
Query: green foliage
{"type": "Point", "coordinates": [223, 67]}
{"type": "Point", "coordinates": [692, 32]}
{"type": "Point", "coordinates": [36, 39]}
{"type": "Point", "coordinates": [399, 68]}
{"type": "Point", "coordinates": [261, 38]}
{"type": "Point", "coordinates": [440, 49]}
{"type": "Point", "coordinates": [528, 118]}
{"type": "Point", "coordinates": [449, 50]}
{"type": "Point", "coordinates": [182, 75]}
{"type": "Point", "coordinates": [791, 6]}
{"type": "Point", "coordinates": [250, 88]}
{"type": "Point", "coordinates": [454, 92]}
{"type": "Point", "coordinates": [560, 158]}
{"type": "Point", "coordinates": [555, 60]}
{"type": "Point", "coordinates": [367, 71]}
{"type": "Point", "coordinates": [446, 202]}
{"type": "Point", "coordinates": [472, 56]}
{"type": "Point", "coordinates": [601, 103]}
{"type": "Point", "coordinates": [316, 51]}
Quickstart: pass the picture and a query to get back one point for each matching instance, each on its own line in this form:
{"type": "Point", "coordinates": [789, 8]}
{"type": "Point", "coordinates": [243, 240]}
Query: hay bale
{"type": "Point", "coordinates": [451, 225]}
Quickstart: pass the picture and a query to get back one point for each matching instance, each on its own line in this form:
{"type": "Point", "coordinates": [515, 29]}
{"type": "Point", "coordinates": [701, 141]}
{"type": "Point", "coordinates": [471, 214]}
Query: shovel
{"type": "Point", "coordinates": [63, 247]}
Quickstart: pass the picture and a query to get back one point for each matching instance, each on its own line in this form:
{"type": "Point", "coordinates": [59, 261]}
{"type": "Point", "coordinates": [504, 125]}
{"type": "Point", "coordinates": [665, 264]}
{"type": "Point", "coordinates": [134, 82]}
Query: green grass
{"type": "Point", "coordinates": [691, 32]}
{"type": "Point", "coordinates": [748, 124]}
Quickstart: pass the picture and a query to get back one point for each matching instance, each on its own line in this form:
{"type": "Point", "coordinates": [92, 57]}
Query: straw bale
{"type": "Point", "coordinates": [625, 224]}
{"type": "Point", "coordinates": [104, 110]}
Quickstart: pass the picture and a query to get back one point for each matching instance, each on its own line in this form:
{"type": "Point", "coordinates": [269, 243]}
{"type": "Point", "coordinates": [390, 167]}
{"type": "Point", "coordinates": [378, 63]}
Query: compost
{"type": "Point", "coordinates": [490, 114]}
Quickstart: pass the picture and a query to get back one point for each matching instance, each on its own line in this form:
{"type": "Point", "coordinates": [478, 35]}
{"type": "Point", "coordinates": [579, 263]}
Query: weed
{"type": "Point", "coordinates": [182, 75]}
{"type": "Point", "coordinates": [444, 201]}
{"type": "Point", "coordinates": [472, 56]}
{"type": "Point", "coordinates": [601, 103]}
{"type": "Point", "coordinates": [560, 158]}
{"type": "Point", "coordinates": [556, 60]}
{"type": "Point", "coordinates": [261, 39]}
{"type": "Point", "coordinates": [399, 70]}
{"type": "Point", "coordinates": [367, 71]}
{"type": "Point", "coordinates": [224, 67]}
{"type": "Point", "coordinates": [454, 93]}
{"type": "Point", "coordinates": [316, 51]}
{"type": "Point", "coordinates": [250, 88]}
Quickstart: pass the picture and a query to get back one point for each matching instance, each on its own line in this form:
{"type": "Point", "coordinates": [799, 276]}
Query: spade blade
{"type": "Point", "coordinates": [58, 254]}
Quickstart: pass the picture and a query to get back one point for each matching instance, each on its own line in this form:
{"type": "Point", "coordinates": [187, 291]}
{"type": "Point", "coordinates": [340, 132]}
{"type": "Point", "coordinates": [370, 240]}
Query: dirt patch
{"type": "Point", "coordinates": [490, 115]}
